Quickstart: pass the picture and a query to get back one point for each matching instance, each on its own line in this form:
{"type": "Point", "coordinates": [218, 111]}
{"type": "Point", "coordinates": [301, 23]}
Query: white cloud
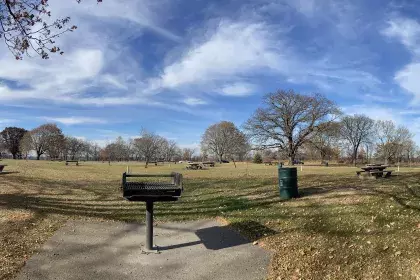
{"type": "Point", "coordinates": [94, 57]}
{"type": "Point", "coordinates": [232, 50]}
{"type": "Point", "coordinates": [75, 120]}
{"type": "Point", "coordinates": [113, 81]}
{"type": "Point", "coordinates": [238, 89]}
{"type": "Point", "coordinates": [407, 31]}
{"type": "Point", "coordinates": [194, 101]}
{"type": "Point", "coordinates": [408, 79]}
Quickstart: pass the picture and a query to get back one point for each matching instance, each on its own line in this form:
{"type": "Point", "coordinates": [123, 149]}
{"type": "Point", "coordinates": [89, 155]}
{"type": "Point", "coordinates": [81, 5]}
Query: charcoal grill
{"type": "Point", "coordinates": [151, 192]}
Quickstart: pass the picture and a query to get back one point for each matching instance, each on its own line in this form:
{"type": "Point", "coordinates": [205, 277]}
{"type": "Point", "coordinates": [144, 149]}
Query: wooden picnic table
{"type": "Point", "coordinates": [374, 167]}
{"type": "Point", "coordinates": [72, 161]}
{"type": "Point", "coordinates": [209, 163]}
{"type": "Point", "coordinates": [374, 172]}
{"type": "Point", "coordinates": [195, 165]}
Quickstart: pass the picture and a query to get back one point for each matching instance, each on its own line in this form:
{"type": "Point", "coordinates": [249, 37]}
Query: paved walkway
{"type": "Point", "coordinates": [113, 250]}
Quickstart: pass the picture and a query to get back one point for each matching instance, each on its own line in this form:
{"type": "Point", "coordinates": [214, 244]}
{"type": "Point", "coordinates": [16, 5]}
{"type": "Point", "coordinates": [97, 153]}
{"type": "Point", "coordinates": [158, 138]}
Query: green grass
{"type": "Point", "coordinates": [341, 227]}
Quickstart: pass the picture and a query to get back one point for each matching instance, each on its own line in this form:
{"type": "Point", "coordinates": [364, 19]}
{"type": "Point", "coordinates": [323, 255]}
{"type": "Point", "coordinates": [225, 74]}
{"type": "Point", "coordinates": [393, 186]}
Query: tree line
{"type": "Point", "coordinates": [289, 126]}
{"type": "Point", "coordinates": [48, 141]}
{"type": "Point", "coordinates": [295, 126]}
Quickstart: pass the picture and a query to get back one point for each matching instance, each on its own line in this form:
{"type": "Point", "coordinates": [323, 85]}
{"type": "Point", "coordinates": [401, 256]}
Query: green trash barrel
{"type": "Point", "coordinates": [288, 183]}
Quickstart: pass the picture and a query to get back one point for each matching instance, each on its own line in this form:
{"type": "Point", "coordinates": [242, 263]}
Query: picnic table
{"type": "Point", "coordinates": [195, 165]}
{"type": "Point", "coordinates": [72, 161]}
{"type": "Point", "coordinates": [209, 163]}
{"type": "Point", "coordinates": [158, 162]}
{"type": "Point", "coordinates": [374, 171]}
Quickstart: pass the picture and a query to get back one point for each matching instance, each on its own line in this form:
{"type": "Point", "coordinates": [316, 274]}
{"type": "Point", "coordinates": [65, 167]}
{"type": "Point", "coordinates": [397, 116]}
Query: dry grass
{"type": "Point", "coordinates": [341, 228]}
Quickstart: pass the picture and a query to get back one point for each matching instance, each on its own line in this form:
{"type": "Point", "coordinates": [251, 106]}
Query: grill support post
{"type": "Point", "coordinates": [149, 225]}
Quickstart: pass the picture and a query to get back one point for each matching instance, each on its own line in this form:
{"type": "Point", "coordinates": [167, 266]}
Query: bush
{"type": "Point", "coordinates": [257, 158]}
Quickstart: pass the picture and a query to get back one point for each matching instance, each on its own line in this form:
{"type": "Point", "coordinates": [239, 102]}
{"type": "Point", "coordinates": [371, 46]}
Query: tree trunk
{"type": "Point", "coordinates": [291, 159]}
{"type": "Point", "coordinates": [367, 154]}
{"type": "Point", "coordinates": [354, 157]}
{"type": "Point", "coordinates": [14, 156]}
{"type": "Point", "coordinates": [234, 163]}
{"type": "Point", "coordinates": [147, 162]}
{"type": "Point", "coordinates": [38, 156]}
{"type": "Point", "coordinates": [291, 152]}
{"type": "Point", "coordinates": [322, 157]}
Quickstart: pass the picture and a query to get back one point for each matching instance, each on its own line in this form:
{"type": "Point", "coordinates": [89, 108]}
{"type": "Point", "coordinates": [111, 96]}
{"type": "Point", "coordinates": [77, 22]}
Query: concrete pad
{"type": "Point", "coordinates": [114, 250]}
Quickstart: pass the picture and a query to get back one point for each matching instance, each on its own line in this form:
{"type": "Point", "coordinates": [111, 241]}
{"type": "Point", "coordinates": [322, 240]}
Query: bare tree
{"type": "Point", "coordinates": [95, 151]}
{"type": "Point", "coordinates": [356, 130]}
{"type": "Point", "coordinates": [56, 141]}
{"type": "Point", "coordinates": [391, 140]}
{"type": "Point", "coordinates": [187, 153]}
{"type": "Point", "coordinates": [121, 149]}
{"type": "Point", "coordinates": [168, 150]}
{"type": "Point", "coordinates": [224, 139]}
{"type": "Point", "coordinates": [74, 147]}
{"type": "Point", "coordinates": [325, 141]}
{"type": "Point", "coordinates": [46, 138]}
{"type": "Point", "coordinates": [3, 147]}
{"type": "Point", "coordinates": [410, 149]}
{"type": "Point", "coordinates": [288, 120]}
{"type": "Point", "coordinates": [148, 145]}
{"type": "Point", "coordinates": [26, 144]}
{"type": "Point", "coordinates": [11, 138]}
{"type": "Point", "coordinates": [239, 147]}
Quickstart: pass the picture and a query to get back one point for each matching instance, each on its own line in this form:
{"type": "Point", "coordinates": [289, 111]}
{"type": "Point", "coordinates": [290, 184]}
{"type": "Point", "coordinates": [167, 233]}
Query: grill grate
{"type": "Point", "coordinates": [153, 191]}
{"type": "Point", "coordinates": [150, 186]}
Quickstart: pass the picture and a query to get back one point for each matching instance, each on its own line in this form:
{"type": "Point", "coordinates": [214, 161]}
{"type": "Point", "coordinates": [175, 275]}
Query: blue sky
{"type": "Point", "coordinates": [174, 67]}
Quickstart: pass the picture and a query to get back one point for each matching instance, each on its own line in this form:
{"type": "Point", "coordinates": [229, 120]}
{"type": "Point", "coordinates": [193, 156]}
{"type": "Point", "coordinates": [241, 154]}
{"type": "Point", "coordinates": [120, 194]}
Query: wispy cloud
{"type": "Point", "coordinates": [194, 101]}
{"type": "Point", "coordinates": [238, 89]}
{"type": "Point", "coordinates": [227, 53]}
{"type": "Point", "coordinates": [407, 31]}
{"type": "Point", "coordinates": [75, 120]}
{"type": "Point", "coordinates": [96, 68]}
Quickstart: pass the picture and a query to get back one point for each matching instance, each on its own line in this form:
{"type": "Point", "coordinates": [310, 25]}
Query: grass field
{"type": "Point", "coordinates": [341, 227]}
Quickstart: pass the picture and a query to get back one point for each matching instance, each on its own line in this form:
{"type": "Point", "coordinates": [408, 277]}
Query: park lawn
{"type": "Point", "coordinates": [341, 227]}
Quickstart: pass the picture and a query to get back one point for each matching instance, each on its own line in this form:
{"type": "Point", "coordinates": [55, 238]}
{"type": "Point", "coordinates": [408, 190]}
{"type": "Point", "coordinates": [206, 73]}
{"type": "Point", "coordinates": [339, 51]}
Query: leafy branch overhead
{"type": "Point", "coordinates": [26, 27]}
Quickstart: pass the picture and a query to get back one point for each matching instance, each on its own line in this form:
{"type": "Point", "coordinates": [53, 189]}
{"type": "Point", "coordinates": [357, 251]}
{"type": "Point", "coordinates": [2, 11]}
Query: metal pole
{"type": "Point", "coordinates": [149, 225]}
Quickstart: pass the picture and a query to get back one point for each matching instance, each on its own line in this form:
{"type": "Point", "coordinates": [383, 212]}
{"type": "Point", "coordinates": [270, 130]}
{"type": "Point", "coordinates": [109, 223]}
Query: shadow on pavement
{"type": "Point", "coordinates": [222, 237]}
